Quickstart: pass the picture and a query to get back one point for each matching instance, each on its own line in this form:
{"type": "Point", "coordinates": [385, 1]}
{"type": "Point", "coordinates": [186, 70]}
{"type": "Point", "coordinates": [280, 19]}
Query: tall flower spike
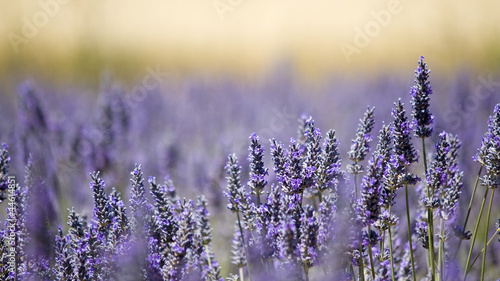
{"type": "Point", "coordinates": [278, 155]}
{"type": "Point", "coordinates": [452, 190]}
{"type": "Point", "coordinates": [294, 170]}
{"type": "Point", "coordinates": [361, 144]}
{"type": "Point", "coordinates": [329, 171]}
{"type": "Point", "coordinates": [308, 240]}
{"type": "Point", "coordinates": [420, 101]}
{"type": "Point", "coordinates": [401, 129]}
{"type": "Point", "coordinates": [238, 248]}
{"type": "Point", "coordinates": [371, 201]}
{"type": "Point", "coordinates": [313, 154]}
{"type": "Point", "coordinates": [258, 172]}
{"type": "Point", "coordinates": [102, 212]}
{"type": "Point", "coordinates": [4, 170]}
{"type": "Point", "coordinates": [138, 200]}
{"type": "Point", "coordinates": [236, 196]}
{"type": "Point", "coordinates": [203, 221]}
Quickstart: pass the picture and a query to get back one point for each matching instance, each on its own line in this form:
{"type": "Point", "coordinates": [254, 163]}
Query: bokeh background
{"type": "Point", "coordinates": [230, 68]}
{"type": "Point", "coordinates": [239, 37]}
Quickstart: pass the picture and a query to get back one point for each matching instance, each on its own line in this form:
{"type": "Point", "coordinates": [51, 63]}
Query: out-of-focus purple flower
{"type": "Point", "coordinates": [63, 269]}
{"type": "Point", "coordinates": [489, 152]}
{"type": "Point", "coordinates": [257, 181]}
{"type": "Point", "coordinates": [287, 241]}
{"type": "Point", "coordinates": [460, 233]}
{"type": "Point", "coordinates": [4, 171]}
{"type": "Point", "coordinates": [238, 248]}
{"type": "Point", "coordinates": [313, 156]}
{"type": "Point", "coordinates": [308, 239]}
{"type": "Point", "coordinates": [452, 189]}
{"type": "Point", "coordinates": [139, 206]}
{"type": "Point", "coordinates": [420, 101]}
{"type": "Point", "coordinates": [422, 234]}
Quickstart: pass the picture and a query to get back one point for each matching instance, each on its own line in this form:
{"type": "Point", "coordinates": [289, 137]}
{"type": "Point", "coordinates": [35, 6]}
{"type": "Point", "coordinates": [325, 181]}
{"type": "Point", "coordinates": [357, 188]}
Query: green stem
{"type": "Point", "coordinates": [391, 254]}
{"type": "Point", "coordinates": [370, 252]}
{"type": "Point", "coordinates": [430, 220]}
{"type": "Point", "coordinates": [208, 257]}
{"type": "Point", "coordinates": [241, 274]}
{"type": "Point", "coordinates": [482, 250]}
{"type": "Point", "coordinates": [470, 207]}
{"type": "Point", "coordinates": [483, 266]}
{"type": "Point", "coordinates": [361, 266]}
{"type": "Point", "coordinates": [244, 246]}
{"type": "Point", "coordinates": [355, 186]}
{"type": "Point", "coordinates": [306, 272]}
{"type": "Point", "coordinates": [474, 235]}
{"type": "Point", "coordinates": [390, 240]}
{"type": "Point", "coordinates": [320, 197]}
{"type": "Point", "coordinates": [409, 226]}
{"type": "Point", "coordinates": [441, 250]}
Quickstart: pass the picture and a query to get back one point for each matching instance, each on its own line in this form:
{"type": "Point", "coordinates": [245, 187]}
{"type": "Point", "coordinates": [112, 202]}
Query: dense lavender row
{"type": "Point", "coordinates": [388, 211]}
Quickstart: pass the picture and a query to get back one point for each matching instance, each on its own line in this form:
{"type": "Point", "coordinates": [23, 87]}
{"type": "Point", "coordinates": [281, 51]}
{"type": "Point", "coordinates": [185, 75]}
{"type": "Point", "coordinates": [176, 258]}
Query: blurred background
{"type": "Point", "coordinates": [75, 41]}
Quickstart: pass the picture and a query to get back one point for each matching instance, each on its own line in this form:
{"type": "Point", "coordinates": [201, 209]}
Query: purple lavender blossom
{"type": "Point", "coordinates": [370, 203]}
{"type": "Point", "coordinates": [258, 172]}
{"type": "Point", "coordinates": [361, 144]}
{"type": "Point", "coordinates": [294, 170]}
{"type": "Point", "coordinates": [403, 147]}
{"type": "Point", "coordinates": [329, 169]}
{"type": "Point", "coordinates": [238, 257]}
{"type": "Point", "coordinates": [4, 171]}
{"type": "Point", "coordinates": [237, 197]}
{"type": "Point", "coordinates": [308, 239]}
{"type": "Point", "coordinates": [420, 101]}
{"type": "Point", "coordinates": [138, 201]}
{"type": "Point", "coordinates": [279, 157]}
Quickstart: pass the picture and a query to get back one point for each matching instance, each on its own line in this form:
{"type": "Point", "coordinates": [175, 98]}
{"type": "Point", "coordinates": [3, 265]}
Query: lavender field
{"type": "Point", "coordinates": [388, 177]}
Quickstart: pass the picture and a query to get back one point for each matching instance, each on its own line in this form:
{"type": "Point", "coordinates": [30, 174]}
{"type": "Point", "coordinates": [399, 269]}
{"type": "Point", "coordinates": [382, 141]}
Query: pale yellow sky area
{"type": "Point", "coordinates": [246, 36]}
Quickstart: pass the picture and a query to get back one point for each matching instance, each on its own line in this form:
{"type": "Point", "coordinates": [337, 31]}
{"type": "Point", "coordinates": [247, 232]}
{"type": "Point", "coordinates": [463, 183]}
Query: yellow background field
{"type": "Point", "coordinates": [79, 39]}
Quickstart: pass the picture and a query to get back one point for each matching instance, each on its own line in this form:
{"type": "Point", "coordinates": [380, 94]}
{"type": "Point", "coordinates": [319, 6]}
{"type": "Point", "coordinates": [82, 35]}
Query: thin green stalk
{"type": "Point", "coordinates": [244, 246]}
{"type": "Point", "coordinates": [390, 243]}
{"type": "Point", "coordinates": [320, 197]}
{"type": "Point", "coordinates": [208, 257]}
{"type": "Point", "coordinates": [482, 250]}
{"type": "Point", "coordinates": [258, 198]}
{"type": "Point", "coordinates": [370, 252]}
{"type": "Point", "coordinates": [241, 274]}
{"type": "Point", "coordinates": [391, 254]}
{"type": "Point", "coordinates": [306, 272]}
{"type": "Point", "coordinates": [441, 250]}
{"type": "Point", "coordinates": [475, 232]}
{"type": "Point", "coordinates": [430, 220]}
{"type": "Point", "coordinates": [409, 227]}
{"type": "Point", "coordinates": [483, 266]}
{"type": "Point", "coordinates": [470, 207]}
{"type": "Point", "coordinates": [356, 186]}
{"type": "Point", "coordinates": [361, 266]}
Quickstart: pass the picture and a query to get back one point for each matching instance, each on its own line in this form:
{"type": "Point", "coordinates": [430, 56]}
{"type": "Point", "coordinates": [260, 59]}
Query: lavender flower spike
{"type": "Point", "coordinates": [4, 170]}
{"type": "Point", "coordinates": [257, 171]}
{"type": "Point", "coordinates": [360, 145]}
{"type": "Point", "coordinates": [420, 101]}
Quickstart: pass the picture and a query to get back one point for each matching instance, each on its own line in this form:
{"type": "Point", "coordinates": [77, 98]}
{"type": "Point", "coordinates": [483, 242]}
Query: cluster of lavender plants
{"type": "Point", "coordinates": [389, 212]}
